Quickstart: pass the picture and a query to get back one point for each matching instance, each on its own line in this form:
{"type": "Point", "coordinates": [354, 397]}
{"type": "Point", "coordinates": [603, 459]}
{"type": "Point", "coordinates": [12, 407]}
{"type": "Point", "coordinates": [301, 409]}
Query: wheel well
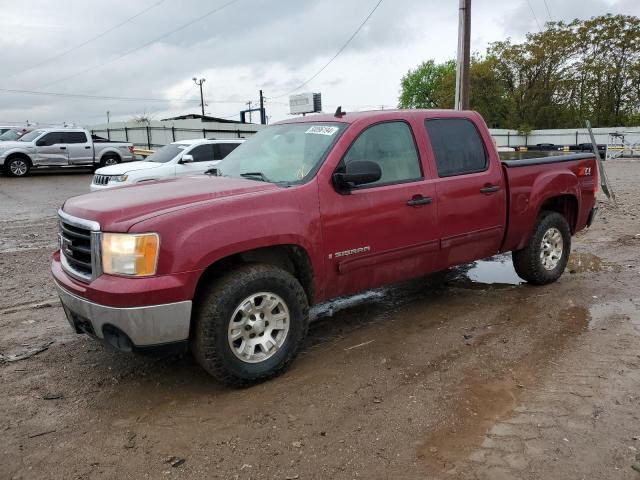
{"type": "Point", "coordinates": [111, 154]}
{"type": "Point", "coordinates": [292, 258]}
{"type": "Point", "coordinates": [19, 155]}
{"type": "Point", "coordinates": [565, 205]}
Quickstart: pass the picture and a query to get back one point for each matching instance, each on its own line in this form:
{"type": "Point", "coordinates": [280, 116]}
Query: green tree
{"type": "Point", "coordinates": [430, 85]}
{"type": "Point", "coordinates": [585, 69]}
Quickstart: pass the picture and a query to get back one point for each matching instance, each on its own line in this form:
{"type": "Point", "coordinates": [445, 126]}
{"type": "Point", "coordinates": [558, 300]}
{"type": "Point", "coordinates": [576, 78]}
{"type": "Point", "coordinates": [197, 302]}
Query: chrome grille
{"type": "Point", "coordinates": [79, 246]}
{"type": "Point", "coordinates": [101, 179]}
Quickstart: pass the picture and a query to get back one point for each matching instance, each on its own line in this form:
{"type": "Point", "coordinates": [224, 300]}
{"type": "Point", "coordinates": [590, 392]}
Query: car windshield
{"type": "Point", "coordinates": [167, 153]}
{"type": "Point", "coordinates": [28, 137]}
{"type": "Point", "coordinates": [287, 153]}
{"type": "Point", "coordinates": [9, 135]}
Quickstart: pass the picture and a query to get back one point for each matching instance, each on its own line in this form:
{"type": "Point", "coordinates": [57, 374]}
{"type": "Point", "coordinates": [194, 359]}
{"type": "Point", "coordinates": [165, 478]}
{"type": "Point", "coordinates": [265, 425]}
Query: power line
{"type": "Point", "coordinates": [353, 35]}
{"type": "Point", "coordinates": [128, 52]}
{"type": "Point", "coordinates": [86, 42]}
{"type": "Point", "coordinates": [548, 12]}
{"type": "Point", "coordinates": [106, 97]}
{"type": "Point", "coordinates": [534, 15]}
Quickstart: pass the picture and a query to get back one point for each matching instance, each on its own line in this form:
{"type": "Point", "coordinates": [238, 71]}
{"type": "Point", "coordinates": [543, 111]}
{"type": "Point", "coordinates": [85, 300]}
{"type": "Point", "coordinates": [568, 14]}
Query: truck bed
{"type": "Point", "coordinates": [532, 181]}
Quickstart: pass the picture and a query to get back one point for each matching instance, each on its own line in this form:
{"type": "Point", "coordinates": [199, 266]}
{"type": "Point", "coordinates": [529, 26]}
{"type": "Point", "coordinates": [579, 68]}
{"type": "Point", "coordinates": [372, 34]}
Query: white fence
{"type": "Point", "coordinates": [560, 137]}
{"type": "Point", "coordinates": [158, 133]}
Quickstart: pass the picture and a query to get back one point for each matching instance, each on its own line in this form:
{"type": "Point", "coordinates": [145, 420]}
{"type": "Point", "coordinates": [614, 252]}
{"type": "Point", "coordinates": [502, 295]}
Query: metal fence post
{"type": "Point", "coordinates": [126, 134]}
{"type": "Point", "coordinates": [204, 133]}
{"type": "Point", "coordinates": [508, 138]}
{"type": "Point", "coordinates": [173, 133]}
{"type": "Point", "coordinates": [108, 134]}
{"type": "Point", "coordinates": [576, 137]}
{"type": "Point", "coordinates": [148, 137]}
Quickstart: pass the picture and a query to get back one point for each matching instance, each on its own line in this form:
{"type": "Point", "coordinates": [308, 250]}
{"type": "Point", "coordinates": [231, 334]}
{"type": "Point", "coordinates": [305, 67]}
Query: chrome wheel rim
{"type": "Point", "coordinates": [110, 161]}
{"type": "Point", "coordinates": [551, 248]}
{"type": "Point", "coordinates": [18, 168]}
{"type": "Point", "coordinates": [258, 327]}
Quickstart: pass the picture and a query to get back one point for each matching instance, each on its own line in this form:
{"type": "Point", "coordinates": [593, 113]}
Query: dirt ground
{"type": "Point", "coordinates": [469, 375]}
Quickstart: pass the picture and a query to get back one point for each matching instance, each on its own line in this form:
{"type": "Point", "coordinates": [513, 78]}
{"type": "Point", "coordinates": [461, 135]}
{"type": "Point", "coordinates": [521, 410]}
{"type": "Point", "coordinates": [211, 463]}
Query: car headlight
{"type": "Point", "coordinates": [130, 254]}
{"type": "Point", "coordinates": [119, 178]}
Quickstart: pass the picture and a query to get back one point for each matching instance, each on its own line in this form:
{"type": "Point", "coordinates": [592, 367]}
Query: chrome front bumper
{"type": "Point", "coordinates": [144, 326]}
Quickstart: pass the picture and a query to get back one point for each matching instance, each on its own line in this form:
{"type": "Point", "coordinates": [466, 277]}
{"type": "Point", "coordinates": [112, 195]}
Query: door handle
{"type": "Point", "coordinates": [87, 147]}
{"type": "Point", "coordinates": [487, 189]}
{"type": "Point", "coordinates": [418, 200]}
{"type": "Point", "coordinates": [63, 148]}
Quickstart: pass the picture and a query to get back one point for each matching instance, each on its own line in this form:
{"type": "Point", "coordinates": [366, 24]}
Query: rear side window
{"type": "Point", "coordinates": [74, 137]}
{"type": "Point", "coordinates": [391, 146]}
{"type": "Point", "coordinates": [457, 146]}
{"type": "Point", "coordinates": [221, 150]}
{"type": "Point", "coordinates": [202, 153]}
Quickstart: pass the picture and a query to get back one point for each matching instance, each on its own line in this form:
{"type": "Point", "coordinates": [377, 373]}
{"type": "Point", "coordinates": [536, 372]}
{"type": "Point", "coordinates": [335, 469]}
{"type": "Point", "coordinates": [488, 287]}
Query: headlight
{"type": "Point", "coordinates": [119, 178]}
{"type": "Point", "coordinates": [130, 254]}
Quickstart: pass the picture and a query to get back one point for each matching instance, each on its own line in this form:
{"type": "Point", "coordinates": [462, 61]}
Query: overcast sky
{"type": "Point", "coordinates": [247, 45]}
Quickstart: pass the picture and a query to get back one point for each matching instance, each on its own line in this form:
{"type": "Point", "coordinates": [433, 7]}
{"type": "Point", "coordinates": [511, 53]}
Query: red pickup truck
{"type": "Point", "coordinates": [304, 211]}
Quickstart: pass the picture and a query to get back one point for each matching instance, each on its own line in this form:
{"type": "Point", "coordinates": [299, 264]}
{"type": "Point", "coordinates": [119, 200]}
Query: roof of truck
{"type": "Point", "coordinates": [351, 117]}
{"type": "Point", "coordinates": [207, 140]}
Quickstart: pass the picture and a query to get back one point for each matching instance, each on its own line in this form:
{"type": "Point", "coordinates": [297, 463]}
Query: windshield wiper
{"type": "Point", "coordinates": [258, 175]}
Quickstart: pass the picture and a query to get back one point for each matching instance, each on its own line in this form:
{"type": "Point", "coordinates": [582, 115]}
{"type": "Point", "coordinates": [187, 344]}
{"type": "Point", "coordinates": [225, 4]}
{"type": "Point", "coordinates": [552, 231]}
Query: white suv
{"type": "Point", "coordinates": [186, 157]}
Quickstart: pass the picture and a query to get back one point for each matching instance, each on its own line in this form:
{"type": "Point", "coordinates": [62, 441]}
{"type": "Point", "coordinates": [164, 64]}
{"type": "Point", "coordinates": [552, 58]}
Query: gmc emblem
{"type": "Point", "coordinates": [65, 246]}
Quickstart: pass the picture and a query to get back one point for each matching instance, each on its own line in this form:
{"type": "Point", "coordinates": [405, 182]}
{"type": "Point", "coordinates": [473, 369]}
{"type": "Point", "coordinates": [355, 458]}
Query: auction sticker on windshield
{"type": "Point", "coordinates": [322, 130]}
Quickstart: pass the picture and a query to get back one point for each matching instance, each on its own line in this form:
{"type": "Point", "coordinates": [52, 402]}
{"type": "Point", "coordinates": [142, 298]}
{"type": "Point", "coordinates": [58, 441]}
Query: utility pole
{"type": "Point", "coordinates": [199, 83]}
{"type": "Point", "coordinates": [263, 116]}
{"type": "Point", "coordinates": [464, 56]}
{"type": "Point", "coordinates": [249, 104]}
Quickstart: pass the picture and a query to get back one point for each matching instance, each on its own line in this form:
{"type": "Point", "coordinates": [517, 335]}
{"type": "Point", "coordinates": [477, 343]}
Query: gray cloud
{"type": "Point", "coordinates": [270, 44]}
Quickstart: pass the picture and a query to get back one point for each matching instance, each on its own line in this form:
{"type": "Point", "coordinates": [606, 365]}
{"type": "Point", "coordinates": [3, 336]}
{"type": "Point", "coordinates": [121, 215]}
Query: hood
{"type": "Point", "coordinates": [123, 168]}
{"type": "Point", "coordinates": [119, 208]}
{"type": "Point", "coordinates": [14, 144]}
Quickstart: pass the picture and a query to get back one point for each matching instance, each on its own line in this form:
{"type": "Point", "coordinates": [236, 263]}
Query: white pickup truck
{"type": "Point", "coordinates": [185, 157]}
{"type": "Point", "coordinates": [60, 147]}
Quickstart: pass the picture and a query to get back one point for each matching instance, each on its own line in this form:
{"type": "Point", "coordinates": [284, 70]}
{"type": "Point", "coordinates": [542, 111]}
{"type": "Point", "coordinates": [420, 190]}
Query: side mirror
{"type": "Point", "coordinates": [186, 159]}
{"type": "Point", "coordinates": [41, 143]}
{"type": "Point", "coordinates": [357, 172]}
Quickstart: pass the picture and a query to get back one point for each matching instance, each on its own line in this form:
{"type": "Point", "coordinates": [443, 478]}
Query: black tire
{"type": "Point", "coordinates": [528, 263]}
{"type": "Point", "coordinates": [109, 160]}
{"type": "Point", "coordinates": [213, 313]}
{"type": "Point", "coordinates": [17, 166]}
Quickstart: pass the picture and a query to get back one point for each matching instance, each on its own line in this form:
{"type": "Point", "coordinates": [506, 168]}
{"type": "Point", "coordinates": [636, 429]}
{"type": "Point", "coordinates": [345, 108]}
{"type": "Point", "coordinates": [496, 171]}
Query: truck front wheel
{"type": "Point", "coordinates": [17, 166]}
{"type": "Point", "coordinates": [249, 324]}
{"type": "Point", "coordinates": [546, 255]}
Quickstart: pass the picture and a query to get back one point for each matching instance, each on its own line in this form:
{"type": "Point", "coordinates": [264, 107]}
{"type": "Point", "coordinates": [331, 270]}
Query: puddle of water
{"type": "Point", "coordinates": [495, 270]}
{"type": "Point", "coordinates": [625, 309]}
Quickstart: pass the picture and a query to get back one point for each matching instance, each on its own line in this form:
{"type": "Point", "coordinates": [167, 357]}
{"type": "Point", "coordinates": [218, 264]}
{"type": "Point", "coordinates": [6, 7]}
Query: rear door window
{"type": "Point", "coordinates": [74, 137]}
{"type": "Point", "coordinates": [221, 150]}
{"type": "Point", "coordinates": [202, 153]}
{"type": "Point", "coordinates": [457, 146]}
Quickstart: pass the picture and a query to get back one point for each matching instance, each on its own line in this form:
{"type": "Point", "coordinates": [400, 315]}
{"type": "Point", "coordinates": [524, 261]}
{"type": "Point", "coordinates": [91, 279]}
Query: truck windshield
{"type": "Point", "coordinates": [167, 153]}
{"type": "Point", "coordinates": [287, 153]}
{"type": "Point", "coordinates": [28, 137]}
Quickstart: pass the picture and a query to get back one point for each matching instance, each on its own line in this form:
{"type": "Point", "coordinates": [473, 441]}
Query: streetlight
{"type": "Point", "coordinates": [199, 83]}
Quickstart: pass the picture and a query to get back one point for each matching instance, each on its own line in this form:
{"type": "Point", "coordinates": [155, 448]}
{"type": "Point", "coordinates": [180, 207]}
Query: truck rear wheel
{"type": "Point", "coordinates": [249, 324]}
{"type": "Point", "coordinates": [109, 160]}
{"type": "Point", "coordinates": [546, 255]}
